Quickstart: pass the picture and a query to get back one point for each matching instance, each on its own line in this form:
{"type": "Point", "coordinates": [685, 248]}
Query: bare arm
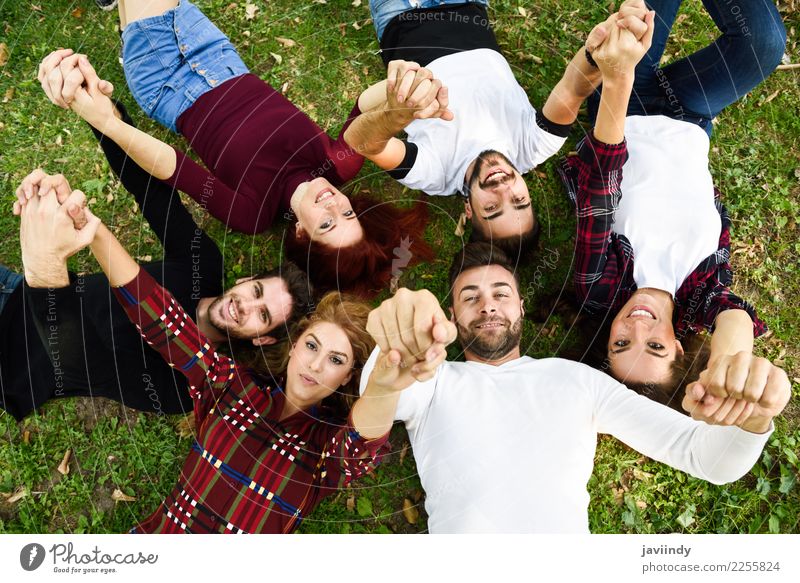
{"type": "Point", "coordinates": [119, 267]}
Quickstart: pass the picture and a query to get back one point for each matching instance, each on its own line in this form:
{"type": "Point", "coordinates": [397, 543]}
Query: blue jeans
{"type": "Point", "coordinates": [170, 60]}
{"type": "Point", "coordinates": [383, 11]}
{"type": "Point", "coordinates": [698, 87]}
{"type": "Point", "coordinates": [9, 281]}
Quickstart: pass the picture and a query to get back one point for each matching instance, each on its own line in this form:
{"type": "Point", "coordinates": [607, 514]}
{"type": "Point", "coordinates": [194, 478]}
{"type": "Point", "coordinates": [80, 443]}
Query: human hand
{"type": "Point", "coordinates": [631, 16]}
{"type": "Point", "coordinates": [412, 93]}
{"type": "Point", "coordinates": [60, 77]}
{"type": "Point", "coordinates": [621, 50]}
{"type": "Point", "coordinates": [740, 389]}
{"type": "Point", "coordinates": [92, 99]}
{"type": "Point", "coordinates": [48, 236]}
{"type": "Point", "coordinates": [413, 326]}
{"type": "Point", "coordinates": [39, 183]}
{"type": "Point", "coordinates": [392, 374]}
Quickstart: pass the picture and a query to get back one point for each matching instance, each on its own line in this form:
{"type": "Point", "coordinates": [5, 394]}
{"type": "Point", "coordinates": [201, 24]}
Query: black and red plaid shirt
{"type": "Point", "coordinates": [604, 259]}
{"type": "Point", "coordinates": [248, 470]}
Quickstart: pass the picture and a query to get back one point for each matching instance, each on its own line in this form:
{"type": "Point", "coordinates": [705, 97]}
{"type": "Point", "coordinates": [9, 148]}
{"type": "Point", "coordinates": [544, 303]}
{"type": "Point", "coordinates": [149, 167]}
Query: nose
{"type": "Point", "coordinates": [488, 307]}
{"type": "Point", "coordinates": [315, 364]}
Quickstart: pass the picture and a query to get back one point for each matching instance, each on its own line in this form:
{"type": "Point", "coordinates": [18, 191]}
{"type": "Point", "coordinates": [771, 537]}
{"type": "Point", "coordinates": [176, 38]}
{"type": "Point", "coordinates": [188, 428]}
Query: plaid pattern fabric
{"type": "Point", "coordinates": [604, 259]}
{"type": "Point", "coordinates": [247, 471]}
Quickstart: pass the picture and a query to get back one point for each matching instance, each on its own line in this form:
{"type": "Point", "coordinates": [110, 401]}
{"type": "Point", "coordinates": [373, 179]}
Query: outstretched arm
{"type": "Point", "coordinates": [69, 80]}
{"type": "Point", "coordinates": [412, 333]}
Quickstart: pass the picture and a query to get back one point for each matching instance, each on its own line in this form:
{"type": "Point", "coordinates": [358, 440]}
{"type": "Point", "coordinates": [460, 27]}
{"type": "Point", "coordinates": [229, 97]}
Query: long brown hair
{"type": "Point", "coordinates": [393, 239]}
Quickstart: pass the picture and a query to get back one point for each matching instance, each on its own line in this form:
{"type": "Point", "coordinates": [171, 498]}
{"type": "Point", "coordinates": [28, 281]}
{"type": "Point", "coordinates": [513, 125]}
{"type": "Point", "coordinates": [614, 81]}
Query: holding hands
{"type": "Point", "coordinates": [618, 44]}
{"type": "Point", "coordinates": [412, 93]}
{"type": "Point", "coordinates": [740, 389]}
{"type": "Point", "coordinates": [55, 225]}
{"type": "Point", "coordinates": [70, 82]}
{"type": "Point", "coordinates": [412, 332]}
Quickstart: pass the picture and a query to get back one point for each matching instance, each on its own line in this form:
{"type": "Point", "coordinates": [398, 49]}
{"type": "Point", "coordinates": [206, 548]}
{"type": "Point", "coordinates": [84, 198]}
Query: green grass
{"type": "Point", "coordinates": [754, 161]}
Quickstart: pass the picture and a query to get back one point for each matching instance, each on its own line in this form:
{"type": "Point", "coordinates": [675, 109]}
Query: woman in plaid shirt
{"type": "Point", "coordinates": [265, 454]}
{"type": "Point", "coordinates": [653, 249]}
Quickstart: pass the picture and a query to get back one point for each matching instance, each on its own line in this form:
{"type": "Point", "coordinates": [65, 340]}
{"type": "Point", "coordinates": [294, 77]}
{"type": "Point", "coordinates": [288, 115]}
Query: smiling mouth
{"type": "Point", "coordinates": [324, 195]}
{"type": "Point", "coordinates": [308, 380]}
{"type": "Point", "coordinates": [642, 312]}
{"type": "Point", "coordinates": [232, 312]}
{"type": "Point", "coordinates": [491, 325]}
{"type": "Point", "coordinates": [495, 174]}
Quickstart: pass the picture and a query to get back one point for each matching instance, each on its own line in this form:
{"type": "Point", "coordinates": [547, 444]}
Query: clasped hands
{"type": "Point", "coordinates": [55, 224]}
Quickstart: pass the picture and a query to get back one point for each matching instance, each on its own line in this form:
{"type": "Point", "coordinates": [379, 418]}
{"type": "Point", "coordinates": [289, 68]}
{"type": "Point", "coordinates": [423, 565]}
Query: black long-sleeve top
{"type": "Point", "coordinates": [78, 341]}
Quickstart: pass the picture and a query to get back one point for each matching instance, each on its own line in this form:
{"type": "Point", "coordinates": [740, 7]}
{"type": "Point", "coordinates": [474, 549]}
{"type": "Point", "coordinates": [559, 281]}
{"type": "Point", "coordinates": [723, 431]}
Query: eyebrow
{"type": "Point", "coordinates": [475, 287]}
{"type": "Point", "coordinates": [336, 352]}
{"type": "Point", "coordinates": [657, 355]}
{"type": "Point", "coordinates": [266, 309]}
{"type": "Point", "coordinates": [497, 214]}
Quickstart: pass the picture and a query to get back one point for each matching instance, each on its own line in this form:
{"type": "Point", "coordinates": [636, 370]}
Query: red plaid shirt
{"type": "Point", "coordinates": [248, 471]}
{"type": "Point", "coordinates": [604, 259]}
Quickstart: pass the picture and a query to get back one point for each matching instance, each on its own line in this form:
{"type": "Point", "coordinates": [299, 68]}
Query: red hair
{"type": "Point", "coordinates": [393, 240]}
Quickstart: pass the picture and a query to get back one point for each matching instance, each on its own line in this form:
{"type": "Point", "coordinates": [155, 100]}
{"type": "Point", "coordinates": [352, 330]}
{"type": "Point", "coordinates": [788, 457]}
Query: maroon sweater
{"type": "Point", "coordinates": [258, 147]}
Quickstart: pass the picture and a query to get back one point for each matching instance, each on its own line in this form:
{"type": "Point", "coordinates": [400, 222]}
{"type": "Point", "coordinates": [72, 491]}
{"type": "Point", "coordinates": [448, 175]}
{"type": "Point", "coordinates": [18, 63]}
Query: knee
{"type": "Point", "coordinates": [768, 41]}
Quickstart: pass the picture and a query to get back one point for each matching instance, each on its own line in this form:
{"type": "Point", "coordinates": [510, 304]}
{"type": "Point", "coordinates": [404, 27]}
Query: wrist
{"type": "Point", "coordinates": [46, 272]}
{"type": "Point", "coordinates": [757, 424]}
{"type": "Point", "coordinates": [396, 118]}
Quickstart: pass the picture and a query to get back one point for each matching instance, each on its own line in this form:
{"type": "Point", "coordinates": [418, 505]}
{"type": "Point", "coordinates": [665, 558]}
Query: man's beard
{"type": "Point", "coordinates": [486, 158]}
{"type": "Point", "coordinates": [492, 347]}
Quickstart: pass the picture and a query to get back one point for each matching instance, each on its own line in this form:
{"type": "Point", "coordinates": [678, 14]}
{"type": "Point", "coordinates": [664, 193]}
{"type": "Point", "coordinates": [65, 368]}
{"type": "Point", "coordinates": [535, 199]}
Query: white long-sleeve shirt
{"type": "Point", "coordinates": [511, 448]}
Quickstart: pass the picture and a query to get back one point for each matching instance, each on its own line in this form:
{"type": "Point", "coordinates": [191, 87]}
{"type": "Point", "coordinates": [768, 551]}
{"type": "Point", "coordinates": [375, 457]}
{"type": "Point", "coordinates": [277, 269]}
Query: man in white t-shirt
{"type": "Point", "coordinates": [506, 443]}
{"type": "Point", "coordinates": [493, 134]}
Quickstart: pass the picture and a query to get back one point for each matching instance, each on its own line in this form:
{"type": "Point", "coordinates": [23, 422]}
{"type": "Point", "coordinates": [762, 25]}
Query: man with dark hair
{"type": "Point", "coordinates": [506, 443]}
{"type": "Point", "coordinates": [491, 134]}
{"type": "Point", "coordinates": [75, 340]}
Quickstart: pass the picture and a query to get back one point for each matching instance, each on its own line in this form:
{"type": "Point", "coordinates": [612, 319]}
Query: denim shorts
{"type": "Point", "coordinates": [170, 60]}
{"type": "Point", "coordinates": [9, 281]}
{"type": "Point", "coordinates": [383, 11]}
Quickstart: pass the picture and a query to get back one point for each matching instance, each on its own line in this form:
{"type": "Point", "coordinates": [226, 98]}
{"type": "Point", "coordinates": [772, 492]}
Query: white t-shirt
{"type": "Point", "coordinates": [492, 112]}
{"type": "Point", "coordinates": [511, 448]}
{"type": "Point", "coordinates": [667, 208]}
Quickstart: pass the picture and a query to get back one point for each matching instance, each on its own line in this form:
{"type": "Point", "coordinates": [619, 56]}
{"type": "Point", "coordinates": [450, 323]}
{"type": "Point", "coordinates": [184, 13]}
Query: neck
{"type": "Point", "coordinates": [292, 404]}
{"type": "Point", "coordinates": [204, 323]}
{"type": "Point", "coordinates": [513, 355]}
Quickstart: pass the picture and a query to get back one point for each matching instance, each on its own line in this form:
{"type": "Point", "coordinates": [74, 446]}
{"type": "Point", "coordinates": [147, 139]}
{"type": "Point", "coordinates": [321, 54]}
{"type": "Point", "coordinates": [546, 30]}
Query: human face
{"type": "Point", "coordinates": [642, 344]}
{"type": "Point", "coordinates": [488, 312]}
{"type": "Point", "coordinates": [325, 214]}
{"type": "Point", "coordinates": [499, 201]}
{"type": "Point", "coordinates": [320, 362]}
{"type": "Point", "coordinates": [251, 309]}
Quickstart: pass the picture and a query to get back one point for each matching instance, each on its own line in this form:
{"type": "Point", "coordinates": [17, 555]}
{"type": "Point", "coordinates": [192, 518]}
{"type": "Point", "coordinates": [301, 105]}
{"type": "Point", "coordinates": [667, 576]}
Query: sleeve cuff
{"type": "Point", "coordinates": [373, 444]}
{"type": "Point", "coordinates": [138, 289]}
{"type": "Point", "coordinates": [605, 157]}
{"type": "Point", "coordinates": [407, 164]}
{"type": "Point", "coordinates": [557, 129]}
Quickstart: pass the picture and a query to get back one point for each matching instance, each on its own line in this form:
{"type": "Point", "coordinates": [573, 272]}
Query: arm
{"type": "Point", "coordinates": [713, 453]}
{"type": "Point", "coordinates": [411, 93]}
{"type": "Point", "coordinates": [160, 205]}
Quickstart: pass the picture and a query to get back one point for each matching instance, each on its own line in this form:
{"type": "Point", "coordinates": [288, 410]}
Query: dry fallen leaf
{"type": "Point", "coordinates": [356, 25]}
{"type": "Point", "coordinates": [462, 223]}
{"type": "Point", "coordinates": [120, 496]}
{"type": "Point", "coordinates": [771, 97]}
{"type": "Point", "coordinates": [403, 453]}
{"type": "Point", "coordinates": [18, 495]}
{"type": "Point", "coordinates": [284, 87]}
{"type": "Point", "coordinates": [26, 437]}
{"type": "Point", "coordinates": [250, 11]}
{"type": "Point", "coordinates": [356, 3]}
{"type": "Point", "coordinates": [277, 57]}
{"type": "Point", "coordinates": [410, 511]}
{"type": "Point", "coordinates": [3, 54]}
{"type": "Point", "coordinates": [522, 11]}
{"type": "Point", "coordinates": [641, 504]}
{"type": "Point", "coordinates": [351, 503]}
{"type": "Point", "coordinates": [640, 475]}
{"type": "Point", "coordinates": [619, 495]}
{"type": "Point", "coordinates": [9, 95]}
{"type": "Point", "coordinates": [63, 467]}
{"type": "Point", "coordinates": [78, 12]}
{"type": "Point", "coordinates": [286, 42]}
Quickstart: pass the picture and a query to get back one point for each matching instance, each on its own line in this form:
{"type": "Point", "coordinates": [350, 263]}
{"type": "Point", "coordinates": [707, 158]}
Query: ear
{"type": "Point", "coordinates": [244, 279]}
{"type": "Point", "coordinates": [468, 209]}
{"type": "Point", "coordinates": [522, 307]}
{"type": "Point", "coordinates": [263, 341]}
{"type": "Point", "coordinates": [298, 230]}
{"type": "Point", "coordinates": [678, 348]}
{"type": "Point", "coordinates": [452, 314]}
